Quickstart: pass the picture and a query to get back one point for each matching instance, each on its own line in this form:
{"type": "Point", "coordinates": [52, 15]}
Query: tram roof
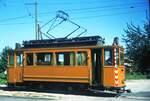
{"type": "Point", "coordinates": [63, 43]}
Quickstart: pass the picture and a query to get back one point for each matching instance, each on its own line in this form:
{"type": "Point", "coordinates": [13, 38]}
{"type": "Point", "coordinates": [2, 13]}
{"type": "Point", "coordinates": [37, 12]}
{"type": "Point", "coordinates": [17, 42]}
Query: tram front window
{"type": "Point", "coordinates": [108, 57]}
{"type": "Point", "coordinates": [121, 59]}
{"type": "Point", "coordinates": [117, 56]}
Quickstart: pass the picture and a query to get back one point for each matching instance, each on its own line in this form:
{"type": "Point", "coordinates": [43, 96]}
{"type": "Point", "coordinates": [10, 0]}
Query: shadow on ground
{"type": "Point", "coordinates": [69, 92]}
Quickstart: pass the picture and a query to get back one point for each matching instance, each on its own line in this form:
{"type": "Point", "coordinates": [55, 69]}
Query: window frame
{"type": "Point", "coordinates": [111, 54]}
{"type": "Point", "coordinates": [11, 56]}
{"type": "Point", "coordinates": [63, 52]}
{"type": "Point", "coordinates": [117, 56]}
{"type": "Point", "coordinates": [51, 62]}
{"type": "Point", "coordinates": [54, 57]}
{"type": "Point", "coordinates": [33, 61]}
{"type": "Point", "coordinates": [86, 58]}
{"type": "Point", "coordinates": [121, 54]}
{"type": "Point", "coordinates": [22, 59]}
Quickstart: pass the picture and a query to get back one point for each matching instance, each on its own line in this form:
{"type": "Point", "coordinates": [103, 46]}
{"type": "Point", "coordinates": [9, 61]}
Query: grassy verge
{"type": "Point", "coordinates": [135, 76]}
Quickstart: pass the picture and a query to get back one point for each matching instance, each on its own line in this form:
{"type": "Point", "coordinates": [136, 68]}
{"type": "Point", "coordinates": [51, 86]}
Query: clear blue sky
{"type": "Point", "coordinates": [106, 18]}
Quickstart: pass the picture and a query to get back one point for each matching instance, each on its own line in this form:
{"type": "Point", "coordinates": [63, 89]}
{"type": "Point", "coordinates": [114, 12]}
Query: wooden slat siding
{"type": "Point", "coordinates": [71, 74]}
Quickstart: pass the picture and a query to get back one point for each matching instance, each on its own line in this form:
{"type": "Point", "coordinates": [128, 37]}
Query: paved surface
{"type": "Point", "coordinates": [140, 91]}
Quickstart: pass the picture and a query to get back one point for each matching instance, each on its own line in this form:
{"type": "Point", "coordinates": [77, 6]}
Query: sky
{"type": "Point", "coordinates": [106, 18]}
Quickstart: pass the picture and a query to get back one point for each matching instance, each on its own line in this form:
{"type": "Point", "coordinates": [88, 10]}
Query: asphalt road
{"type": "Point", "coordinates": [9, 98]}
{"type": "Point", "coordinates": [140, 91]}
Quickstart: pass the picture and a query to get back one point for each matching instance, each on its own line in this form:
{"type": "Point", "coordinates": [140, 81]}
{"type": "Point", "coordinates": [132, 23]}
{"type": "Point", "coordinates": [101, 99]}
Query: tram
{"type": "Point", "coordinates": [77, 61]}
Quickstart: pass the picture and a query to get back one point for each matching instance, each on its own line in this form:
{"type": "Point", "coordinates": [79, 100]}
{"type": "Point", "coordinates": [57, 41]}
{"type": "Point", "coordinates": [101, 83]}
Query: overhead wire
{"type": "Point", "coordinates": [70, 2]}
{"type": "Point", "coordinates": [98, 7]}
{"type": "Point", "coordinates": [89, 8]}
{"type": "Point", "coordinates": [89, 17]}
{"type": "Point", "coordinates": [107, 6]}
{"type": "Point", "coordinates": [26, 8]}
{"type": "Point", "coordinates": [97, 16]}
{"type": "Point", "coordinates": [20, 23]}
{"type": "Point", "coordinates": [13, 18]}
{"type": "Point", "coordinates": [101, 10]}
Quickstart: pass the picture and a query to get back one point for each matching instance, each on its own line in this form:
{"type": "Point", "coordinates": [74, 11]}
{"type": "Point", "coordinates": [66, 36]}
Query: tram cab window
{"type": "Point", "coordinates": [29, 59]}
{"type": "Point", "coordinates": [108, 57]}
{"type": "Point", "coordinates": [19, 59]}
{"type": "Point", "coordinates": [82, 58]}
{"type": "Point", "coordinates": [121, 59]}
{"type": "Point", "coordinates": [44, 59]}
{"type": "Point", "coordinates": [11, 60]}
{"type": "Point", "coordinates": [117, 56]}
{"type": "Point", "coordinates": [65, 58]}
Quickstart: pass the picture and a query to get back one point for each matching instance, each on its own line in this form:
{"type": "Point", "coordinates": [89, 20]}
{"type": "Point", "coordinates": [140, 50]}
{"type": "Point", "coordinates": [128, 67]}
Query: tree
{"type": "Point", "coordinates": [3, 59]}
{"type": "Point", "coordinates": [137, 42]}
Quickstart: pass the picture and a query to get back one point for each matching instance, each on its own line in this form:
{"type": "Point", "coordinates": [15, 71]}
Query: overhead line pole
{"type": "Point", "coordinates": [36, 22]}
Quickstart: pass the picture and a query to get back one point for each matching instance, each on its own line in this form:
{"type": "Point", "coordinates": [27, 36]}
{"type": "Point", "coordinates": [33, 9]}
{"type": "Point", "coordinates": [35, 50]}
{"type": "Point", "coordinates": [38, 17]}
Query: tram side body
{"type": "Point", "coordinates": [111, 76]}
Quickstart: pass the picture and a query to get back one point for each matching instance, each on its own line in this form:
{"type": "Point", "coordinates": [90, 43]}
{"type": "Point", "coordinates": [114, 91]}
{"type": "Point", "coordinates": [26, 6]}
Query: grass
{"type": "Point", "coordinates": [135, 76]}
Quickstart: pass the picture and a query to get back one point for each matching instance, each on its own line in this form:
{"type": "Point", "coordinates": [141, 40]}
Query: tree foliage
{"type": "Point", "coordinates": [3, 59]}
{"type": "Point", "coordinates": [137, 40]}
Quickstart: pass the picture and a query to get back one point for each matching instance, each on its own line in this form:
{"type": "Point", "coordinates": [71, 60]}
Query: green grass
{"type": "Point", "coordinates": [135, 76]}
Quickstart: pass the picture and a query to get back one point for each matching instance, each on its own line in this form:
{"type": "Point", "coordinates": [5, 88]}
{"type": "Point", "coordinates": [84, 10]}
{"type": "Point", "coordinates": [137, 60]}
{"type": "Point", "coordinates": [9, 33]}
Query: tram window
{"type": "Point", "coordinates": [11, 60]}
{"type": "Point", "coordinates": [121, 59]}
{"type": "Point", "coordinates": [82, 58]}
{"type": "Point", "coordinates": [108, 57]}
{"type": "Point", "coordinates": [65, 58]}
{"type": "Point", "coordinates": [44, 59]}
{"type": "Point", "coordinates": [117, 56]}
{"type": "Point", "coordinates": [20, 59]}
{"type": "Point", "coordinates": [29, 59]}
{"type": "Point", "coordinates": [94, 60]}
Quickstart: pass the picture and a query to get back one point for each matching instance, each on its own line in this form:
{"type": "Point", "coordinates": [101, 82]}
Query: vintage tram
{"type": "Point", "coordinates": [76, 61]}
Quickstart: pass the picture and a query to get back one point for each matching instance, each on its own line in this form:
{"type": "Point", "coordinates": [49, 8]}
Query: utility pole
{"type": "Point", "coordinates": [36, 21]}
{"type": "Point", "coordinates": [36, 18]}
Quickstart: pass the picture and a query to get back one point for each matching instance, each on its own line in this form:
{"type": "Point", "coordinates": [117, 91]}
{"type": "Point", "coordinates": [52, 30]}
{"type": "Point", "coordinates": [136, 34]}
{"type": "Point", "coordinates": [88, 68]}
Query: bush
{"type": "Point", "coordinates": [2, 81]}
{"type": "Point", "coordinates": [3, 76]}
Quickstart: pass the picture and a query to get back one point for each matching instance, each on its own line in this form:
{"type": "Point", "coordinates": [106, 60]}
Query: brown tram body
{"type": "Point", "coordinates": [94, 65]}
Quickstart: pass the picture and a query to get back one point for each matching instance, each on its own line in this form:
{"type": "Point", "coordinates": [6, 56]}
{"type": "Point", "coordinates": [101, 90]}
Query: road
{"type": "Point", "coordinates": [140, 91]}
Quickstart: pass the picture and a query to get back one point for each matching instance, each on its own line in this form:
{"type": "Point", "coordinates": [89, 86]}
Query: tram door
{"type": "Point", "coordinates": [19, 67]}
{"type": "Point", "coordinates": [96, 67]}
{"type": "Point", "coordinates": [15, 64]}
